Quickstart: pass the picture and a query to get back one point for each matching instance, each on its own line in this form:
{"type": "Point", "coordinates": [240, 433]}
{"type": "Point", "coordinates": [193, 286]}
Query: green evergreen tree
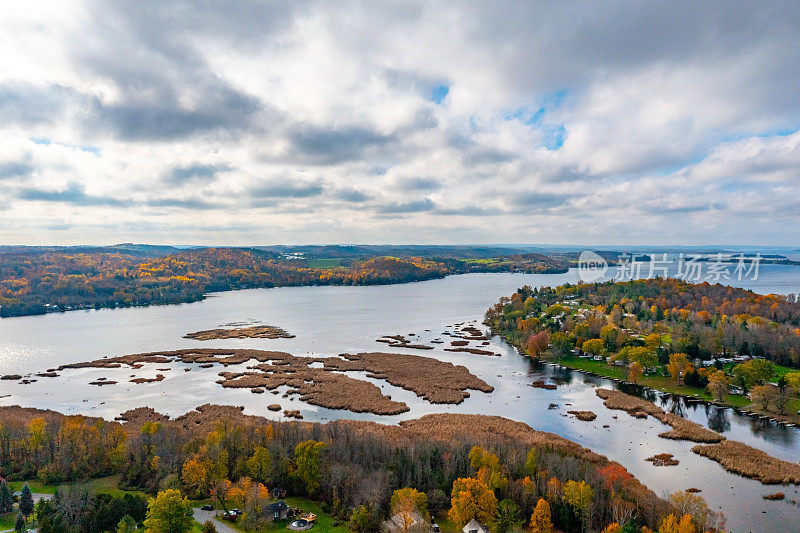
{"type": "Point", "coordinates": [126, 525]}
{"type": "Point", "coordinates": [26, 501]}
{"type": "Point", "coordinates": [6, 501]}
{"type": "Point", "coordinates": [19, 525]}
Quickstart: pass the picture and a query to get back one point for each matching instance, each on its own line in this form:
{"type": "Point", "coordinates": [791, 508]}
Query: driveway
{"type": "Point", "coordinates": [204, 516]}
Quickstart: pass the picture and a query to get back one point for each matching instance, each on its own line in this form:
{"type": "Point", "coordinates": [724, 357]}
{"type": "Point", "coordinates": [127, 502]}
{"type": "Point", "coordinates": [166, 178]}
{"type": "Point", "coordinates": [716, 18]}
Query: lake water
{"type": "Point", "coordinates": [334, 320]}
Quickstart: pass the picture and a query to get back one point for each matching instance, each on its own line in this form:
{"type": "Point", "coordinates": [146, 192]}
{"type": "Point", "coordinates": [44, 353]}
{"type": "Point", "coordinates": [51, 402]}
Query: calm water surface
{"type": "Point", "coordinates": [333, 320]}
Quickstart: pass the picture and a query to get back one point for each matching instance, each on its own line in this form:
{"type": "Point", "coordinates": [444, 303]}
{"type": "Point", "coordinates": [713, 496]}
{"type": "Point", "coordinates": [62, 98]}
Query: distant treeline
{"type": "Point", "coordinates": [39, 280]}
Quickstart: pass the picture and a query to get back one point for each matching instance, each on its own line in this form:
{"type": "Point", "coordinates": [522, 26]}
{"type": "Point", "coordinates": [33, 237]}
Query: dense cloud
{"type": "Point", "coordinates": [667, 122]}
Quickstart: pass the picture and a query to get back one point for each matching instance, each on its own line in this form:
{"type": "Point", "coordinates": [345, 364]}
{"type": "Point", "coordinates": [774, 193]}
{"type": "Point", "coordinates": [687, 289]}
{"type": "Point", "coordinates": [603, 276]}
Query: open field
{"type": "Point", "coordinates": [324, 262]}
{"type": "Point", "coordinates": [105, 485]}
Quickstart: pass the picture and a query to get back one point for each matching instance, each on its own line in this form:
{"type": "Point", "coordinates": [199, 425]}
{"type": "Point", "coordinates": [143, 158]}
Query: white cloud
{"type": "Point", "coordinates": [299, 122]}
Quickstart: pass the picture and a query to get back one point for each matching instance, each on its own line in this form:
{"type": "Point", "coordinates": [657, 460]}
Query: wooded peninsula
{"type": "Point", "coordinates": [37, 280]}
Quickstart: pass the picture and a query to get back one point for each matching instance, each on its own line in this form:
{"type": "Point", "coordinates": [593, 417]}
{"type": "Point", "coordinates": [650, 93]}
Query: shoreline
{"type": "Point", "coordinates": [788, 420]}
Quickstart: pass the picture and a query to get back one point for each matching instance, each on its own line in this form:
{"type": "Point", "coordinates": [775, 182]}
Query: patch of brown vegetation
{"type": "Point", "coordinates": [159, 377]}
{"type": "Point", "coordinates": [541, 384]}
{"type": "Point", "coordinates": [459, 343]}
{"type": "Point", "coordinates": [431, 379]}
{"type": "Point", "coordinates": [274, 407]}
{"type": "Point", "coordinates": [663, 459]}
{"type": "Point", "coordinates": [586, 416]}
{"type": "Point", "coordinates": [11, 377]}
{"type": "Point", "coordinates": [399, 341]}
{"type": "Point", "coordinates": [293, 413]}
{"type": "Point", "coordinates": [474, 333]}
{"type": "Point", "coordinates": [318, 387]}
{"type": "Point", "coordinates": [100, 383]}
{"type": "Point", "coordinates": [747, 461]}
{"type": "Point", "coordinates": [774, 497]}
{"type": "Point", "coordinates": [47, 375]}
{"type": "Point", "coordinates": [682, 429]}
{"type": "Point", "coordinates": [693, 490]}
{"type": "Point", "coordinates": [140, 415]}
{"type": "Point", "coordinates": [476, 351]}
{"type": "Point", "coordinates": [326, 386]}
{"type": "Point", "coordinates": [252, 332]}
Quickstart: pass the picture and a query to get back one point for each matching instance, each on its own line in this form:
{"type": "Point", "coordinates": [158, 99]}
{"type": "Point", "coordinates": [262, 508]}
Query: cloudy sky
{"type": "Point", "coordinates": [400, 122]}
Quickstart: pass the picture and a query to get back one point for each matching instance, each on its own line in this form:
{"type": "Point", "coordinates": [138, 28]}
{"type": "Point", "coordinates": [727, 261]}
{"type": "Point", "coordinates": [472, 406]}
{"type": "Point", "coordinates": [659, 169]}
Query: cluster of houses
{"type": "Point", "coordinates": [724, 360]}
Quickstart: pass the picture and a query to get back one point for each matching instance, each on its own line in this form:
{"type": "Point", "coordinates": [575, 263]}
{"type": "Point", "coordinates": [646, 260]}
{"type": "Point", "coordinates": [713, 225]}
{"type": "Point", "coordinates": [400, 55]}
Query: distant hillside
{"type": "Point", "coordinates": [37, 280]}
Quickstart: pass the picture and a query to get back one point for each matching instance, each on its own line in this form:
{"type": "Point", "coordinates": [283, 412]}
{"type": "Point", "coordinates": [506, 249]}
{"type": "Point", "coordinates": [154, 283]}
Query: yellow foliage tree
{"type": "Point", "coordinates": [718, 384]}
{"type": "Point", "coordinates": [195, 476]}
{"type": "Point", "coordinates": [487, 467]}
{"type": "Point", "coordinates": [635, 372]}
{"type": "Point", "coordinates": [678, 364]}
{"type": "Point", "coordinates": [471, 498]}
{"type": "Point", "coordinates": [612, 528]}
{"type": "Point", "coordinates": [578, 495]}
{"type": "Point", "coordinates": [541, 520]}
{"type": "Point", "coordinates": [671, 524]}
{"type": "Point", "coordinates": [406, 503]}
{"type": "Point", "coordinates": [169, 512]}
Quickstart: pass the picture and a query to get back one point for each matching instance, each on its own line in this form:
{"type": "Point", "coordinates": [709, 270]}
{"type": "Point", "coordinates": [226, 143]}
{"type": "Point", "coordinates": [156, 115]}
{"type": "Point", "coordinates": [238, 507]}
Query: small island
{"type": "Point", "coordinates": [251, 332]}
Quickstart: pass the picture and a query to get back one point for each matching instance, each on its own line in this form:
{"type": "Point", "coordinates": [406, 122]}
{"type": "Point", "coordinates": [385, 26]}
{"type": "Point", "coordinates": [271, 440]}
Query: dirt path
{"type": "Point", "coordinates": [204, 516]}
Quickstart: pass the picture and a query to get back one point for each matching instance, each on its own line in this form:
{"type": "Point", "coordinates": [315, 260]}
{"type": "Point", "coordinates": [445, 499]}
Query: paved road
{"type": "Point", "coordinates": [204, 516]}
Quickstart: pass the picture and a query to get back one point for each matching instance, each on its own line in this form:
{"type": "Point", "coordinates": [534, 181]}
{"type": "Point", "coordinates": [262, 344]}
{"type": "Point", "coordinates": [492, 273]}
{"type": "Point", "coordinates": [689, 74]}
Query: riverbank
{"type": "Point", "coordinates": [669, 386]}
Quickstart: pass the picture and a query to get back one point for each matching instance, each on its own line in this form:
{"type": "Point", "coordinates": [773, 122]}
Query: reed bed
{"type": "Point", "coordinates": [682, 429]}
{"type": "Point", "coordinates": [586, 416]}
{"type": "Point", "coordinates": [744, 460]}
{"type": "Point", "coordinates": [663, 459]}
{"type": "Point", "coordinates": [252, 332]}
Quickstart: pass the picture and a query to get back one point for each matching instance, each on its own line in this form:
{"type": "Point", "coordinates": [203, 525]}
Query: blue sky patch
{"type": "Point", "coordinates": [439, 93]}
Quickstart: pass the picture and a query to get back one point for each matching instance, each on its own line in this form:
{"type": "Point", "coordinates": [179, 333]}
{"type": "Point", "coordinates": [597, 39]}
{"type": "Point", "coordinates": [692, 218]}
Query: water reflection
{"type": "Point", "coordinates": [718, 419]}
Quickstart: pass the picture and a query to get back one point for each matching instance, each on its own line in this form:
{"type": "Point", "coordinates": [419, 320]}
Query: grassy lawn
{"type": "Point", "coordinates": [666, 384]}
{"type": "Point", "coordinates": [324, 263]}
{"type": "Point", "coordinates": [661, 383]}
{"type": "Point", "coordinates": [7, 521]}
{"type": "Point", "coordinates": [448, 527]}
{"type": "Point", "coordinates": [105, 485]}
{"type": "Point", "coordinates": [323, 523]}
{"type": "Point", "coordinates": [35, 486]}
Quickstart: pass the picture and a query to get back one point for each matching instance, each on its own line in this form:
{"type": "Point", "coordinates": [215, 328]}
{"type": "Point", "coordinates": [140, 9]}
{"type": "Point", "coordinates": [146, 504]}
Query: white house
{"type": "Point", "coordinates": [475, 527]}
{"type": "Point", "coordinates": [407, 522]}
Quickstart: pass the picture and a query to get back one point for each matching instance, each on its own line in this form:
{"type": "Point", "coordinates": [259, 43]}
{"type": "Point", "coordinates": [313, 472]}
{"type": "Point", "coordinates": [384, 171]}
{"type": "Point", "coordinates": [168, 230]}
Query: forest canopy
{"type": "Point", "coordinates": [652, 317]}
